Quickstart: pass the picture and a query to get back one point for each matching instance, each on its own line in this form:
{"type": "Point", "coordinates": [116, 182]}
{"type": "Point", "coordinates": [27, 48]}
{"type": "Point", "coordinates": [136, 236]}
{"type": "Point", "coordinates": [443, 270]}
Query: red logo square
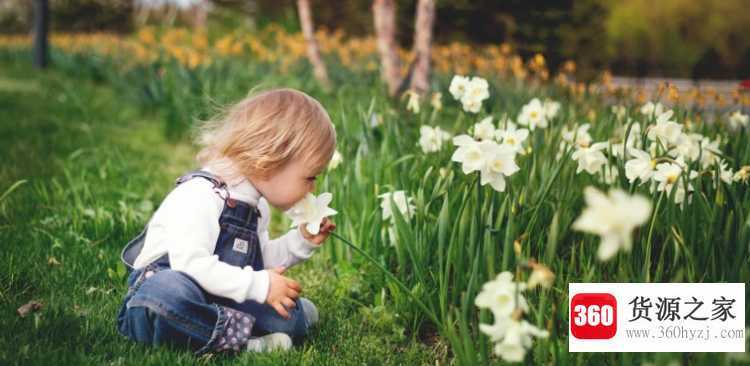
{"type": "Point", "coordinates": [593, 316]}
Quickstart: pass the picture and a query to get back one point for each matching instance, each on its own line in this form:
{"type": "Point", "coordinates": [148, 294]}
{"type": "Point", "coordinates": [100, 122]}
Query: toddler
{"type": "Point", "coordinates": [204, 273]}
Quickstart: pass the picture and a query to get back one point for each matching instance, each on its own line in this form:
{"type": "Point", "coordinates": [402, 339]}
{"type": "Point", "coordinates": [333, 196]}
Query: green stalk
{"type": "Point", "coordinates": [390, 275]}
{"type": "Point", "coordinates": [647, 265]}
{"type": "Point", "coordinates": [546, 191]}
{"type": "Point", "coordinates": [12, 188]}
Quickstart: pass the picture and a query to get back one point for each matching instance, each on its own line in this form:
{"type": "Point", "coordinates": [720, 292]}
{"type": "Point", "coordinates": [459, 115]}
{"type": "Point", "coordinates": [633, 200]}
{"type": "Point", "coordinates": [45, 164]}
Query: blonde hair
{"type": "Point", "coordinates": [258, 135]}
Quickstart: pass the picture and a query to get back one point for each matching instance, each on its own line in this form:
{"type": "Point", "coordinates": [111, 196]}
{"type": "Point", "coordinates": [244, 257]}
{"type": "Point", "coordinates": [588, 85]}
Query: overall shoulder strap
{"type": "Point", "coordinates": [218, 182]}
{"type": "Point", "coordinates": [220, 187]}
{"type": "Point", "coordinates": [131, 251]}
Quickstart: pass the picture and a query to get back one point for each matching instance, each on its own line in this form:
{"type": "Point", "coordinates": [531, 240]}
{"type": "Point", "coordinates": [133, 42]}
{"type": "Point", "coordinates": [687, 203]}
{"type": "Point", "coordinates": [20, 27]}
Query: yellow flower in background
{"type": "Point", "coordinates": [436, 101]}
{"type": "Point", "coordinates": [541, 275]}
{"type": "Point", "coordinates": [147, 36]}
{"type": "Point", "coordinates": [412, 103]}
{"type": "Point", "coordinates": [273, 44]}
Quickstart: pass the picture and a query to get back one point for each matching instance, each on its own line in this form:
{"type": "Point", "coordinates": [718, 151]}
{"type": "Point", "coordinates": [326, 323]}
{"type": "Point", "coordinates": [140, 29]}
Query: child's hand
{"type": "Point", "coordinates": [325, 229]}
{"type": "Point", "coordinates": [282, 291]}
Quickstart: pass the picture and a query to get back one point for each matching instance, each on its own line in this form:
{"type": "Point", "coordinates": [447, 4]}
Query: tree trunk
{"type": "Point", "coordinates": [384, 14]}
{"type": "Point", "coordinates": [200, 15]}
{"type": "Point", "coordinates": [313, 52]}
{"type": "Point", "coordinates": [420, 81]}
{"type": "Point", "coordinates": [41, 27]}
{"type": "Point", "coordinates": [251, 9]}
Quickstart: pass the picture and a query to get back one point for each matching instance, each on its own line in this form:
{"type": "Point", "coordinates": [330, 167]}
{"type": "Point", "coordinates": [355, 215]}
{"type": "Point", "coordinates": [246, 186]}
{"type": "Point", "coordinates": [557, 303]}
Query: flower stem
{"type": "Point", "coordinates": [647, 263]}
{"type": "Point", "coordinates": [480, 225]}
{"type": "Point", "coordinates": [392, 277]}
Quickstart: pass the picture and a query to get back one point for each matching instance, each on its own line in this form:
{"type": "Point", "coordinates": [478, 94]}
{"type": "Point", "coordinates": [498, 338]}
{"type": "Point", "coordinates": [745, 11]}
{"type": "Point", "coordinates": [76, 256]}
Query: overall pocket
{"type": "Point", "coordinates": [238, 246]}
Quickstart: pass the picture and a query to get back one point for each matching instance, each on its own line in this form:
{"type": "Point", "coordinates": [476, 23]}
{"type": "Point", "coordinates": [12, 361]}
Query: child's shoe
{"type": "Point", "coordinates": [270, 342]}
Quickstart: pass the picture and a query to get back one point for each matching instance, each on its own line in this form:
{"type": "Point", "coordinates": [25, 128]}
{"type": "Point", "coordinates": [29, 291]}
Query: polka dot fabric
{"type": "Point", "coordinates": [236, 331]}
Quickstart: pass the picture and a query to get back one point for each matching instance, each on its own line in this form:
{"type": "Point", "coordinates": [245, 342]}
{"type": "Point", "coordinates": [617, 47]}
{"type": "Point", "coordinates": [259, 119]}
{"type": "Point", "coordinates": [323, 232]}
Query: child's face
{"type": "Point", "coordinates": [288, 186]}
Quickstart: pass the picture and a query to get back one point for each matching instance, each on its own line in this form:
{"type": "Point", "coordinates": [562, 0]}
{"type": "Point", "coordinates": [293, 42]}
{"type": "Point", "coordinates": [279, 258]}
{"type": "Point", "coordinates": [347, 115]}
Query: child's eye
{"type": "Point", "coordinates": [312, 179]}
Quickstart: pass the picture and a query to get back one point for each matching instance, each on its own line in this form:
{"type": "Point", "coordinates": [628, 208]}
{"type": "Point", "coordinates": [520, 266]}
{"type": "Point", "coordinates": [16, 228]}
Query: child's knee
{"type": "Point", "coordinates": [167, 289]}
{"type": "Point", "coordinates": [164, 294]}
{"type": "Point", "coordinates": [137, 323]}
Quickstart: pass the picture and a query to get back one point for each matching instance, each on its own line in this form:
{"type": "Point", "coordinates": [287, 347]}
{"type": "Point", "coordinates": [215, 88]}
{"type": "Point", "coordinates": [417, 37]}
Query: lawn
{"type": "Point", "coordinates": [89, 170]}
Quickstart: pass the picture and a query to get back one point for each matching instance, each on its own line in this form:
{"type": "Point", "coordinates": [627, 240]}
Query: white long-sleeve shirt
{"type": "Point", "coordinates": [186, 226]}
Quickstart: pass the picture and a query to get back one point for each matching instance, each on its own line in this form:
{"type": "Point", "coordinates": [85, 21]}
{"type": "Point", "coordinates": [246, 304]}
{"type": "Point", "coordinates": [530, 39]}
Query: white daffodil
{"type": "Point", "coordinates": [652, 109]}
{"type": "Point", "coordinates": [725, 174]}
{"type": "Point", "coordinates": [550, 109]}
{"type": "Point", "coordinates": [711, 152]}
{"type": "Point", "coordinates": [511, 334]}
{"type": "Point", "coordinates": [476, 91]}
{"type": "Point", "coordinates": [484, 130]}
{"type": "Point", "coordinates": [458, 86]}
{"type": "Point", "coordinates": [687, 146]}
{"type": "Point", "coordinates": [640, 167]}
{"type": "Point", "coordinates": [375, 120]}
{"type": "Point", "coordinates": [533, 115]}
{"type": "Point", "coordinates": [392, 235]}
{"type": "Point", "coordinates": [633, 138]}
{"type": "Point", "coordinates": [517, 340]}
{"type": "Point", "coordinates": [311, 211]}
{"type": "Point", "coordinates": [616, 149]}
{"type": "Point", "coordinates": [613, 217]}
{"type": "Point", "coordinates": [336, 160]}
{"type": "Point", "coordinates": [668, 174]}
{"type": "Point", "coordinates": [578, 136]}
{"type": "Point", "coordinates": [608, 175]}
{"type": "Point", "coordinates": [412, 103]}
{"type": "Point", "coordinates": [468, 154]}
{"type": "Point", "coordinates": [738, 120]}
{"type": "Point", "coordinates": [477, 88]}
{"type": "Point", "coordinates": [471, 105]}
{"type": "Point", "coordinates": [665, 130]}
{"type": "Point", "coordinates": [498, 163]}
{"type": "Point", "coordinates": [500, 297]}
{"type": "Point", "coordinates": [404, 204]}
{"type": "Point", "coordinates": [512, 137]}
{"type": "Point", "coordinates": [590, 158]}
{"type": "Point", "coordinates": [431, 139]}
{"type": "Point", "coordinates": [620, 111]}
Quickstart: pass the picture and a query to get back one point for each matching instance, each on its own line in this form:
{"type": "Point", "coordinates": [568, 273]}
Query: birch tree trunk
{"type": "Point", "coordinates": [425, 18]}
{"type": "Point", "coordinates": [313, 51]}
{"type": "Point", "coordinates": [199, 14]}
{"type": "Point", "coordinates": [384, 14]}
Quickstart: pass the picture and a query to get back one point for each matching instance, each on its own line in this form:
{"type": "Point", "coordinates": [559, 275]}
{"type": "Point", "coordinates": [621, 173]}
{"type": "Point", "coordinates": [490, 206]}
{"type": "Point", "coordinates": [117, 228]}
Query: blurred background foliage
{"type": "Point", "coordinates": [670, 38]}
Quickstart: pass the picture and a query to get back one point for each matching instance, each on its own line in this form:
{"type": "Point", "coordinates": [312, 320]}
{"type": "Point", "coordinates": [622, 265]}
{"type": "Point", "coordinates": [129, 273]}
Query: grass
{"type": "Point", "coordinates": [106, 166]}
{"type": "Point", "coordinates": [93, 168]}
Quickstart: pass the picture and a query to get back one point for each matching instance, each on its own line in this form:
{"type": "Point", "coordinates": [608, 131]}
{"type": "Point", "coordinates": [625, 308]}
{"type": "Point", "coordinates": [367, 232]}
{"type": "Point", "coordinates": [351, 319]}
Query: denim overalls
{"type": "Point", "coordinates": [164, 306]}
